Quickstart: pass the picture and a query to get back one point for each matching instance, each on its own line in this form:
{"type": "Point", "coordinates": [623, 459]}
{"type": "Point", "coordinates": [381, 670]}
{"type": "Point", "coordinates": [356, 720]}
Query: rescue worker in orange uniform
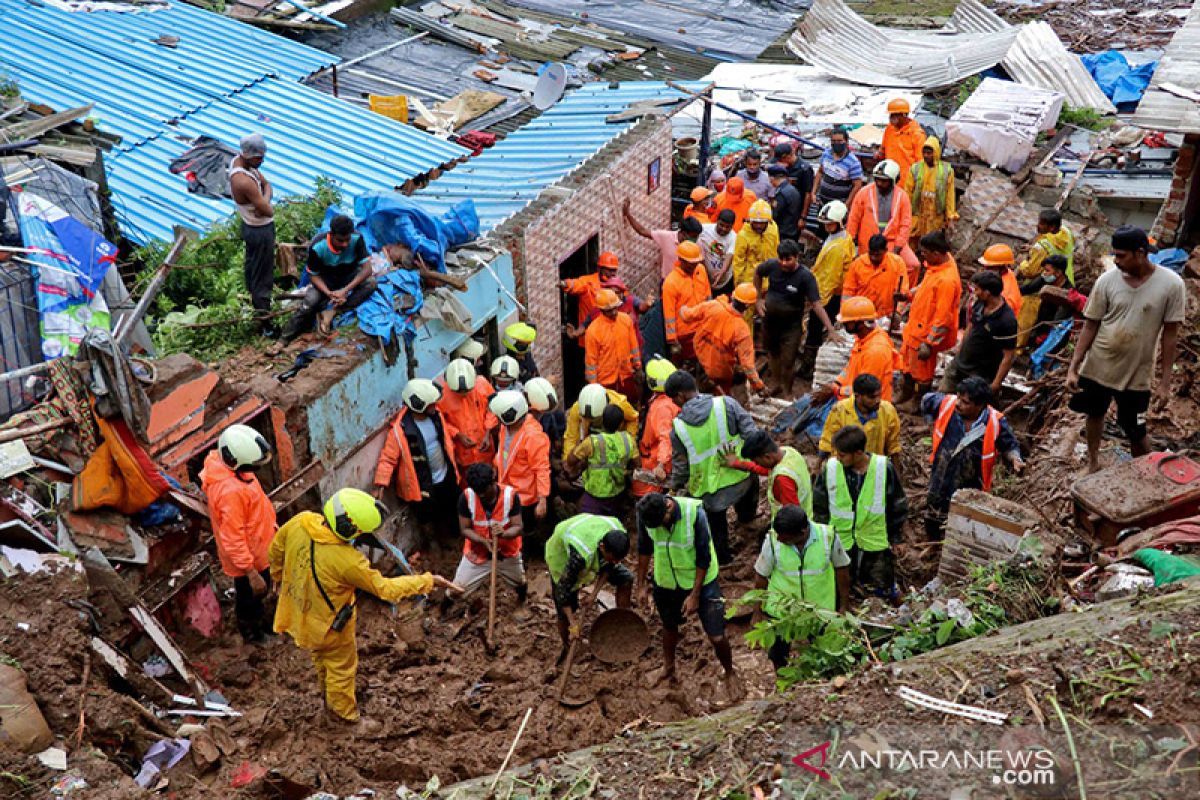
{"type": "Point", "coordinates": [464, 408]}
{"type": "Point", "coordinates": [903, 140]}
{"type": "Point", "coordinates": [587, 287]}
{"type": "Point", "coordinates": [243, 523]}
{"type": "Point", "coordinates": [933, 319]}
{"type": "Point", "coordinates": [687, 285]}
{"type": "Point", "coordinates": [999, 259]}
{"type": "Point", "coordinates": [883, 208]}
{"type": "Point", "coordinates": [655, 444]}
{"type": "Point", "coordinates": [418, 458]}
{"type": "Point", "coordinates": [736, 198]}
{"type": "Point", "coordinates": [489, 515]}
{"type": "Point", "coordinates": [611, 356]}
{"type": "Point", "coordinates": [724, 344]}
{"type": "Point", "coordinates": [872, 354]}
{"type": "Point", "coordinates": [522, 456]}
{"type": "Point", "coordinates": [879, 276]}
{"type": "Point", "coordinates": [702, 206]}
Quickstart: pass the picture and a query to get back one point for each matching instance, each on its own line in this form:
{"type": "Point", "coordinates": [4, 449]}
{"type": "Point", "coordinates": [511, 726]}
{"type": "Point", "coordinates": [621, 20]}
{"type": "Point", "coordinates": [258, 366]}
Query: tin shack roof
{"type": "Point", "coordinates": [222, 78]}
{"type": "Point", "coordinates": [1172, 102]}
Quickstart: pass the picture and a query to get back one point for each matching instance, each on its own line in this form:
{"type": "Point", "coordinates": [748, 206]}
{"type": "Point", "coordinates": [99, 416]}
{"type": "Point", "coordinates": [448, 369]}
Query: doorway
{"type": "Point", "coordinates": [576, 265]}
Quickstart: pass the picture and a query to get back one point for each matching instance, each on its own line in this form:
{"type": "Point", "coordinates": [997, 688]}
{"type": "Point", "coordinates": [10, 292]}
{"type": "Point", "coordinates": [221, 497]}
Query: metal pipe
{"type": "Point", "coordinates": [705, 136]}
{"type": "Point", "coordinates": [131, 320]}
{"type": "Point", "coordinates": [709, 101]}
{"type": "Point", "coordinates": [330, 20]}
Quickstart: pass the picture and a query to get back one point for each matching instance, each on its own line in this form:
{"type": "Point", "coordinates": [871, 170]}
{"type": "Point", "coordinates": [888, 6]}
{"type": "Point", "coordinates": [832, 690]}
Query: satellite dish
{"type": "Point", "coordinates": [552, 80]}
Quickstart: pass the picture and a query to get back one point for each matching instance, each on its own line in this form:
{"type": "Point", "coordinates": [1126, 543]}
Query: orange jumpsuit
{"type": "Point", "coordinates": [679, 290]}
{"type": "Point", "coordinates": [904, 147]}
{"type": "Point", "coordinates": [610, 351]}
{"type": "Point", "coordinates": [877, 284]}
{"type": "Point", "coordinates": [523, 461]}
{"type": "Point", "coordinates": [933, 319]}
{"type": "Point", "coordinates": [872, 354]}
{"type": "Point", "coordinates": [243, 519]}
{"type": "Point", "coordinates": [468, 413]}
{"type": "Point", "coordinates": [655, 446]}
{"type": "Point", "coordinates": [397, 458]}
{"type": "Point", "coordinates": [1012, 291]}
{"type": "Point", "coordinates": [585, 289]}
{"type": "Point", "coordinates": [863, 223]}
{"type": "Point", "coordinates": [736, 198]}
{"type": "Point", "coordinates": [705, 215]}
{"type": "Point", "coordinates": [723, 342]}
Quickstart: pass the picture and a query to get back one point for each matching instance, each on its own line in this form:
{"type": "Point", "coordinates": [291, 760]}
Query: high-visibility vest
{"type": "Point", "coordinates": [707, 472]}
{"type": "Point", "coordinates": [581, 533]}
{"type": "Point", "coordinates": [608, 463]}
{"type": "Point", "coordinates": [862, 523]}
{"type": "Point", "coordinates": [991, 431]}
{"type": "Point", "coordinates": [940, 182]}
{"type": "Point", "coordinates": [675, 549]}
{"type": "Point", "coordinates": [808, 575]}
{"type": "Point", "coordinates": [795, 467]}
{"type": "Point", "coordinates": [481, 523]}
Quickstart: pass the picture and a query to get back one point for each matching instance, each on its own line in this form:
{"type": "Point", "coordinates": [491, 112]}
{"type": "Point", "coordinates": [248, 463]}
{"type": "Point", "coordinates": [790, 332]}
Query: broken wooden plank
{"type": "Point", "coordinates": [31, 129]}
{"type": "Point", "coordinates": [130, 672]}
{"type": "Point", "coordinates": [175, 657]}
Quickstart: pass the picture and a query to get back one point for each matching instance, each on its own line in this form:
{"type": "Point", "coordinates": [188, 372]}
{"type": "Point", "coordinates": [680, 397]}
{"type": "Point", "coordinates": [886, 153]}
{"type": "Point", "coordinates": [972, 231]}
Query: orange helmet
{"type": "Point", "coordinates": [607, 299]}
{"type": "Point", "coordinates": [899, 106]}
{"type": "Point", "coordinates": [745, 293]}
{"type": "Point", "coordinates": [997, 255]}
{"type": "Point", "coordinates": [608, 259]}
{"type": "Point", "coordinates": [689, 251]}
{"type": "Point", "coordinates": [700, 194]}
{"type": "Point", "coordinates": [856, 309]}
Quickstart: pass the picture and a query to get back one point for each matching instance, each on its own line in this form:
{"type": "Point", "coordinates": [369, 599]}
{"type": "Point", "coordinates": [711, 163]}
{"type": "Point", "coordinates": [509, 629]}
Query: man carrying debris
{"type": "Point", "coordinates": [655, 445]}
{"type": "Point", "coordinates": [523, 456]}
{"type": "Point", "coordinates": [464, 408]}
{"type": "Point", "coordinates": [932, 193]}
{"type": "Point", "coordinates": [587, 287]}
{"type": "Point", "coordinates": [318, 570]}
{"type": "Point", "coordinates": [582, 549]}
{"type": "Point", "coordinates": [585, 414]}
{"type": "Point", "coordinates": [611, 356]}
{"type": "Point", "coordinates": [1127, 311]}
{"type": "Point", "coordinates": [674, 531]}
{"type": "Point", "coordinates": [418, 458]}
{"type": "Point", "coordinates": [786, 471]}
{"type": "Point", "coordinates": [252, 194]}
{"type": "Point", "coordinates": [789, 294]}
{"type": "Point", "coordinates": [605, 460]}
{"type": "Point", "coordinates": [879, 276]}
{"type": "Point", "coordinates": [800, 560]}
{"type": "Point", "coordinates": [883, 208]}
{"type": "Point", "coordinates": [933, 318]}
{"type": "Point", "coordinates": [665, 239]}
{"type": "Point", "coordinates": [867, 409]}
{"type": "Point", "coordinates": [705, 428]}
{"type": "Point", "coordinates": [518, 343]}
{"type": "Point", "coordinates": [724, 344]}
{"type": "Point", "coordinates": [340, 278]}
{"type": "Point", "coordinates": [243, 522]}
{"type": "Point", "coordinates": [489, 516]}
{"type": "Point", "coordinates": [687, 285]}
{"type": "Point", "coordinates": [967, 436]}
{"type": "Point", "coordinates": [999, 259]}
{"type": "Point", "coordinates": [1053, 239]}
{"type": "Point", "coordinates": [860, 496]}
{"type": "Point", "coordinates": [990, 343]}
{"type": "Point", "coordinates": [839, 173]}
{"type": "Point", "coordinates": [903, 140]}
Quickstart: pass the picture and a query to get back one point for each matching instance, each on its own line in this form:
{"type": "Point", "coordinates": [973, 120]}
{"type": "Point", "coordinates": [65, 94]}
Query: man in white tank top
{"type": "Point", "coordinates": [252, 193]}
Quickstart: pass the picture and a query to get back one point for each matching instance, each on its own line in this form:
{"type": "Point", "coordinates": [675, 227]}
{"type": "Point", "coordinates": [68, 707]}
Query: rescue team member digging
{"type": "Point", "coordinates": [489, 515]}
{"type": "Point", "coordinates": [317, 569]}
{"type": "Point", "coordinates": [585, 548]}
{"type": "Point", "coordinates": [800, 561]}
{"type": "Point", "coordinates": [243, 523]}
{"type": "Point", "coordinates": [723, 342]}
{"type": "Point", "coordinates": [464, 408]}
{"type": "Point", "coordinates": [673, 530]}
{"type": "Point", "coordinates": [523, 456]}
{"type": "Point", "coordinates": [605, 460]}
{"type": "Point", "coordinates": [340, 278]}
{"type": "Point", "coordinates": [786, 471]}
{"type": "Point", "coordinates": [655, 445]}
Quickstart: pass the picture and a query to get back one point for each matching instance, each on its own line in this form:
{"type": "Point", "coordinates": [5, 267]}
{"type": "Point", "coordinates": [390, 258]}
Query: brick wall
{"type": "Point", "coordinates": [586, 204]}
{"type": "Point", "coordinates": [1171, 215]}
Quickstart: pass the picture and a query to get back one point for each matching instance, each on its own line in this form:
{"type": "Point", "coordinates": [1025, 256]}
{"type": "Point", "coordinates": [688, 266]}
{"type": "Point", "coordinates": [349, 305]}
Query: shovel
{"type": "Point", "coordinates": [491, 626]}
{"type": "Point", "coordinates": [584, 699]}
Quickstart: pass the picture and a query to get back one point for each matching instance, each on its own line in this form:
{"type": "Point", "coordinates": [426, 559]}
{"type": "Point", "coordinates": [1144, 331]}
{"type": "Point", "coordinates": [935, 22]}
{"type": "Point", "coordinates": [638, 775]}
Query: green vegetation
{"type": "Point", "coordinates": [204, 309]}
{"type": "Point", "coordinates": [8, 86]}
{"type": "Point", "coordinates": [967, 88]}
{"type": "Point", "coordinates": [1088, 118]}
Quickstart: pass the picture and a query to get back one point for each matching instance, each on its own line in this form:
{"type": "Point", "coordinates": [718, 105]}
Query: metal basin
{"type": "Point", "coordinates": [619, 636]}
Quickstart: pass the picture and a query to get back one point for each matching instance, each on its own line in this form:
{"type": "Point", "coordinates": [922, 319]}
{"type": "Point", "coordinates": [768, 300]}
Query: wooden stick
{"type": "Point", "coordinates": [491, 628]}
{"type": "Point", "coordinates": [20, 433]}
{"type": "Point", "coordinates": [512, 749]}
{"type": "Point", "coordinates": [83, 685]}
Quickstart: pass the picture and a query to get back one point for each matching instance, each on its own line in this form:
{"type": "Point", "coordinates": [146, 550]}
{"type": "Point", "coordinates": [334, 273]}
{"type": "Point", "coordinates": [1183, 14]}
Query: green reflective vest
{"type": "Point", "coordinates": [862, 523]}
{"type": "Point", "coordinates": [795, 467]}
{"type": "Point", "coordinates": [675, 549]}
{"type": "Point", "coordinates": [940, 183]}
{"type": "Point", "coordinates": [808, 576]}
{"type": "Point", "coordinates": [581, 533]}
{"type": "Point", "coordinates": [707, 472]}
{"type": "Point", "coordinates": [608, 463]}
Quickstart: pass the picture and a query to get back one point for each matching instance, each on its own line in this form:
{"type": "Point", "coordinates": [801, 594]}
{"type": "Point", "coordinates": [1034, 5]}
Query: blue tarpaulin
{"type": "Point", "coordinates": [388, 218]}
{"type": "Point", "coordinates": [1122, 83]}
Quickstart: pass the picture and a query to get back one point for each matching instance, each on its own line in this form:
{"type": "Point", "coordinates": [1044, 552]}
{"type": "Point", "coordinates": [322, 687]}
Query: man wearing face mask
{"type": "Point", "coordinates": [754, 177]}
{"type": "Point", "coordinates": [839, 175]}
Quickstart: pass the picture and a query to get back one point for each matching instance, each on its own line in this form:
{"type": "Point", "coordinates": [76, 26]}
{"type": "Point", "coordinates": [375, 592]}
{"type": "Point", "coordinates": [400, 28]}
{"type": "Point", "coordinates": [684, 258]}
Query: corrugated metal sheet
{"type": "Point", "coordinates": [1038, 58]}
{"type": "Point", "coordinates": [224, 80]}
{"type": "Point", "coordinates": [507, 177]}
{"type": "Point", "coordinates": [1179, 69]}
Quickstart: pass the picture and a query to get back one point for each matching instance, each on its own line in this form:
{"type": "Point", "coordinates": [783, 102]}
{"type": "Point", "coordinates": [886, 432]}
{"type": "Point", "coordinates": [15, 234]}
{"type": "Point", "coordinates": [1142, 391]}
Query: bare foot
{"type": "Point", "coordinates": [663, 677]}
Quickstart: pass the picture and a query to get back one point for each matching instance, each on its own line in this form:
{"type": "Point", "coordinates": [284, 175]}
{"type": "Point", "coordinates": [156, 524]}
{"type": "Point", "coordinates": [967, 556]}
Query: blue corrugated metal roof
{"type": "Point", "coordinates": [224, 79]}
{"type": "Point", "coordinates": [506, 178]}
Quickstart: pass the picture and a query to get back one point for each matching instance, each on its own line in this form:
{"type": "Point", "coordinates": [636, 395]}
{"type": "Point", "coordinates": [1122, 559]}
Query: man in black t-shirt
{"type": "Point", "coordinates": [990, 344]}
{"type": "Point", "coordinates": [791, 292]}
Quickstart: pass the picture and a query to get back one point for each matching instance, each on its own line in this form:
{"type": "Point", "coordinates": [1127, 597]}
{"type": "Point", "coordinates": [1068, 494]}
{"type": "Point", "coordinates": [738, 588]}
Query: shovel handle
{"type": "Point", "coordinates": [562, 679]}
{"type": "Point", "coordinates": [492, 594]}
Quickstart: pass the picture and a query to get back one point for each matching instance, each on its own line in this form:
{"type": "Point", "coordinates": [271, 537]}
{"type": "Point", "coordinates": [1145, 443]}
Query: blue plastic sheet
{"type": "Point", "coordinates": [381, 314]}
{"type": "Point", "coordinates": [1039, 359]}
{"type": "Point", "coordinates": [387, 218]}
{"type": "Point", "coordinates": [1122, 83]}
{"type": "Point", "coordinates": [804, 418]}
{"type": "Point", "coordinates": [1172, 258]}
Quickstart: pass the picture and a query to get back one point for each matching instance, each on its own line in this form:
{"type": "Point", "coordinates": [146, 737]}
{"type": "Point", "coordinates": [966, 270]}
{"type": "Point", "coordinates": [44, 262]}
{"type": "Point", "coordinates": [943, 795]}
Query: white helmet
{"type": "Point", "coordinates": [833, 211]}
{"type": "Point", "coordinates": [419, 394]}
{"type": "Point", "coordinates": [509, 406]}
{"type": "Point", "coordinates": [887, 169]}
{"type": "Point", "coordinates": [460, 376]}
{"type": "Point", "coordinates": [506, 367]}
{"type": "Point", "coordinates": [592, 400]}
{"type": "Point", "coordinates": [541, 394]}
{"type": "Point", "coordinates": [471, 350]}
{"type": "Point", "coordinates": [242, 447]}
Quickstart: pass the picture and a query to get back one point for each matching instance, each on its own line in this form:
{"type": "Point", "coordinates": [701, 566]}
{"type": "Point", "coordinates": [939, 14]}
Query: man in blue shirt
{"type": "Point", "coordinates": [339, 274]}
{"type": "Point", "coordinates": [839, 176]}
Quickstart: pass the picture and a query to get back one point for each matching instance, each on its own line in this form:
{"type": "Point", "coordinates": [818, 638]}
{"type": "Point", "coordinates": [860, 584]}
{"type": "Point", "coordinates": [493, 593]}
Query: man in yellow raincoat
{"type": "Point", "coordinates": [932, 192]}
{"type": "Point", "coordinates": [1053, 239]}
{"type": "Point", "coordinates": [317, 569]}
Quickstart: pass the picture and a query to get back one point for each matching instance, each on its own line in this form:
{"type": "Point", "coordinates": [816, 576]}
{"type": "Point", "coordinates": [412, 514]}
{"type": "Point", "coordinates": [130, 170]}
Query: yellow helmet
{"type": "Point", "coordinates": [657, 372]}
{"type": "Point", "coordinates": [460, 376]}
{"type": "Point", "coordinates": [518, 337]}
{"type": "Point", "coordinates": [352, 512]}
{"type": "Point", "coordinates": [760, 211]}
